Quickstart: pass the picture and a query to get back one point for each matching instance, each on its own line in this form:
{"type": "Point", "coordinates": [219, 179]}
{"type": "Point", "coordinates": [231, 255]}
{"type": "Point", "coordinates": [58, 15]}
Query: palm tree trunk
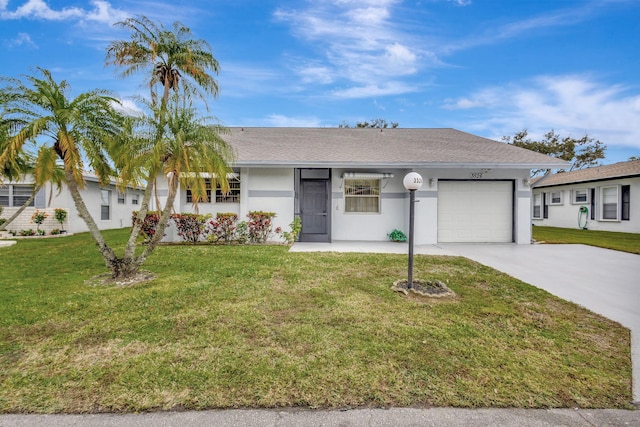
{"type": "Point", "coordinates": [130, 249]}
{"type": "Point", "coordinates": [107, 253]}
{"type": "Point", "coordinates": [162, 223]}
{"type": "Point", "coordinates": [3, 227]}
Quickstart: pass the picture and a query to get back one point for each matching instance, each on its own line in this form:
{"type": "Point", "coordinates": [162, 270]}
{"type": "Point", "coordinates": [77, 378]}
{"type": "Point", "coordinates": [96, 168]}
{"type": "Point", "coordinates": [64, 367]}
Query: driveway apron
{"type": "Point", "coordinates": [604, 281]}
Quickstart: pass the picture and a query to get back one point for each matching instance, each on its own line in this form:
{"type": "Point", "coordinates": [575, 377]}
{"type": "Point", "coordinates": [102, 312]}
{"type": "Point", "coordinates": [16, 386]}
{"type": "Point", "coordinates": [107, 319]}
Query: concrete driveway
{"type": "Point", "coordinates": [604, 281]}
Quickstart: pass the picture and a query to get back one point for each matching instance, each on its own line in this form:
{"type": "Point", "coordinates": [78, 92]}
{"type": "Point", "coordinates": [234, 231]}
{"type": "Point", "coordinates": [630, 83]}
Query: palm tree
{"type": "Point", "coordinates": [68, 129]}
{"type": "Point", "coordinates": [184, 147]}
{"type": "Point", "coordinates": [170, 58]}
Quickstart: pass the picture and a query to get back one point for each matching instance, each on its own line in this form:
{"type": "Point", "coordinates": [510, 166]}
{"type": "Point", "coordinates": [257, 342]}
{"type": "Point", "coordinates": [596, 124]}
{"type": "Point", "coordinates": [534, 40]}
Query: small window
{"type": "Point", "coordinates": [4, 196]}
{"type": "Point", "coordinates": [625, 190]}
{"type": "Point", "coordinates": [105, 205]}
{"type": "Point", "coordinates": [555, 198]}
{"type": "Point", "coordinates": [233, 196]}
{"type": "Point", "coordinates": [22, 193]}
{"type": "Point", "coordinates": [537, 205]}
{"type": "Point", "coordinates": [134, 199]}
{"type": "Point", "coordinates": [121, 198]}
{"type": "Point", "coordinates": [609, 203]}
{"type": "Point", "coordinates": [362, 195]}
{"type": "Point", "coordinates": [206, 198]}
{"type": "Point", "coordinates": [580, 196]}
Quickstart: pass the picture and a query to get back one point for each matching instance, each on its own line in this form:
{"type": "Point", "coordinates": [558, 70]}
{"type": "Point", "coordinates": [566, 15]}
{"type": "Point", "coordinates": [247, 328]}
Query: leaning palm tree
{"type": "Point", "coordinates": [70, 130]}
{"type": "Point", "coordinates": [184, 147]}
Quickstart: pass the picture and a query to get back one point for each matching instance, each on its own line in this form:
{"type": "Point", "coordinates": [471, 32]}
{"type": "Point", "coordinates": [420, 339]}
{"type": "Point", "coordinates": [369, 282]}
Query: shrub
{"type": "Point", "coordinates": [149, 224]}
{"type": "Point", "coordinates": [397, 236]}
{"type": "Point", "coordinates": [296, 227]}
{"type": "Point", "coordinates": [242, 232]}
{"type": "Point", "coordinates": [2, 220]}
{"type": "Point", "coordinates": [38, 218]}
{"type": "Point", "coordinates": [60, 215]}
{"type": "Point", "coordinates": [55, 232]}
{"type": "Point", "coordinates": [29, 232]}
{"type": "Point", "coordinates": [190, 226]}
{"type": "Point", "coordinates": [223, 228]}
{"type": "Point", "coordinates": [260, 226]}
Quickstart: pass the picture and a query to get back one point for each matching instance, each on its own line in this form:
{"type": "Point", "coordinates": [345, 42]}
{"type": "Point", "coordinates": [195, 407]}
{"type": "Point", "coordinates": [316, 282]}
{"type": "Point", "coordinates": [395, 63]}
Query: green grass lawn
{"type": "Point", "coordinates": [626, 242]}
{"type": "Point", "coordinates": [257, 326]}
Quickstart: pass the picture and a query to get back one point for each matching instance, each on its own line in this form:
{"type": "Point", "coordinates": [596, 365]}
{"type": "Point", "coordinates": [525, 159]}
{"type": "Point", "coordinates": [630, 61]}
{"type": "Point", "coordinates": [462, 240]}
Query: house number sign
{"type": "Point", "coordinates": [477, 175]}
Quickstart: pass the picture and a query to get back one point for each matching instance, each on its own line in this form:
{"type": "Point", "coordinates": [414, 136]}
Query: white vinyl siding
{"type": "Point", "coordinates": [362, 195]}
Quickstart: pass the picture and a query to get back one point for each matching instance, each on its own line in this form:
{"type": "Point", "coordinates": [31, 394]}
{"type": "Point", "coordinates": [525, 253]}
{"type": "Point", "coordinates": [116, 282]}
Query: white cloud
{"type": "Point", "coordinates": [21, 40]}
{"type": "Point", "coordinates": [373, 90]}
{"type": "Point", "coordinates": [102, 11]}
{"type": "Point", "coordinates": [360, 44]}
{"type": "Point", "coordinates": [570, 104]}
{"type": "Point", "coordinates": [278, 120]}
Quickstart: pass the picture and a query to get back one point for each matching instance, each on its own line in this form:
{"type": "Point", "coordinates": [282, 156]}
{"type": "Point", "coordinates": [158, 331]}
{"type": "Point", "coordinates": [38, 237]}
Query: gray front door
{"type": "Point", "coordinates": [314, 210]}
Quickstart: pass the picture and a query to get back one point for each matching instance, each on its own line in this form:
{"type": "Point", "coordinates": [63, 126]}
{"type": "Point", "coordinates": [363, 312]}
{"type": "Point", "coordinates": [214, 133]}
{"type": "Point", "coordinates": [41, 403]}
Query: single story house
{"type": "Point", "coordinates": [346, 183]}
{"type": "Point", "coordinates": [597, 198]}
{"type": "Point", "coordinates": [109, 207]}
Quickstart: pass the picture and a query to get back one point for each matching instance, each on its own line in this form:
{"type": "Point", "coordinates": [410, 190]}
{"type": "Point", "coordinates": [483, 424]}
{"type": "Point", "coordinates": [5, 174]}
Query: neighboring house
{"type": "Point", "coordinates": [598, 198]}
{"type": "Point", "coordinates": [346, 183]}
{"type": "Point", "coordinates": [109, 207]}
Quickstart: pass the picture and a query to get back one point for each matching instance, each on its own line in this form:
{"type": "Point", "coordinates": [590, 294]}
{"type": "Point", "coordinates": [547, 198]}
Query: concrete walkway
{"type": "Point", "coordinates": [7, 243]}
{"type": "Point", "coordinates": [394, 417]}
{"type": "Point", "coordinates": [604, 281]}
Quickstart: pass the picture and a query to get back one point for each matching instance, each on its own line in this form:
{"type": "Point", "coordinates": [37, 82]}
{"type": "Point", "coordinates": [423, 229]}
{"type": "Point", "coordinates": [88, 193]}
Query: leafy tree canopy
{"type": "Point", "coordinates": [374, 123]}
{"type": "Point", "coordinates": [581, 153]}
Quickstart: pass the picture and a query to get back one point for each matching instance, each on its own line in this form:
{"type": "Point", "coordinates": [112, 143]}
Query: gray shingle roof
{"type": "Point", "coordinates": [616, 170]}
{"type": "Point", "coordinates": [334, 147]}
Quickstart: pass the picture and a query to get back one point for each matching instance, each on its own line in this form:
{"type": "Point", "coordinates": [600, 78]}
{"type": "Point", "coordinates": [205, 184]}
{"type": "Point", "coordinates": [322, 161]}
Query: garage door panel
{"type": "Point", "coordinates": [475, 211]}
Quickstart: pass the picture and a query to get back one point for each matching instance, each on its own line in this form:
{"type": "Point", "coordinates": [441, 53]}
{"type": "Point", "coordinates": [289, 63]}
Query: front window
{"type": "Point", "coordinates": [206, 198]}
{"type": "Point", "coordinates": [233, 196]}
{"type": "Point", "coordinates": [16, 195]}
{"type": "Point", "coordinates": [134, 199]}
{"type": "Point", "coordinates": [555, 198]}
{"type": "Point", "coordinates": [609, 204]}
{"type": "Point", "coordinates": [537, 205]}
{"type": "Point", "coordinates": [581, 196]}
{"type": "Point", "coordinates": [121, 198]}
{"type": "Point", "coordinates": [362, 195]}
{"type": "Point", "coordinates": [105, 202]}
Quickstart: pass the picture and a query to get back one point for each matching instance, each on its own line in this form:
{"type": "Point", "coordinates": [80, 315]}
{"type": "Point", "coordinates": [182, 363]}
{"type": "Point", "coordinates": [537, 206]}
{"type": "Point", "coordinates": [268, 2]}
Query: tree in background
{"type": "Point", "coordinates": [581, 153]}
{"type": "Point", "coordinates": [374, 123]}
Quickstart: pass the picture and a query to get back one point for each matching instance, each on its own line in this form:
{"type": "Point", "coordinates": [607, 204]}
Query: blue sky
{"type": "Point", "coordinates": [488, 67]}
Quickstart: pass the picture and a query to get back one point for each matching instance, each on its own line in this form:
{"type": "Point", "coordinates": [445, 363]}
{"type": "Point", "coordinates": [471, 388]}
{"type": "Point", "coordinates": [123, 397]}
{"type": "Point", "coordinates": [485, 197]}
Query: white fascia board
{"type": "Point", "coordinates": [409, 165]}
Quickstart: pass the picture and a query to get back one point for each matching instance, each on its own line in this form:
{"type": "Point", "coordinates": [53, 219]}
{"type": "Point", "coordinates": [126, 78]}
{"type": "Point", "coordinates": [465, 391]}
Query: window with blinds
{"type": "Point", "coordinates": [362, 195]}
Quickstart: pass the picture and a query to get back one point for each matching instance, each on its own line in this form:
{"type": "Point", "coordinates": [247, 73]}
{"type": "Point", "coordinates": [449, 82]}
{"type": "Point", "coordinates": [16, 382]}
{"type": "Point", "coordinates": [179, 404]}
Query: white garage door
{"type": "Point", "coordinates": [475, 211]}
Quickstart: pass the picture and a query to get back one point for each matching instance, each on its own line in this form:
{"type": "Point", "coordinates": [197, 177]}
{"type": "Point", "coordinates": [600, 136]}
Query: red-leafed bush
{"type": "Point", "coordinates": [223, 228]}
{"type": "Point", "coordinates": [149, 224]}
{"type": "Point", "coordinates": [190, 226]}
{"type": "Point", "coordinates": [260, 226]}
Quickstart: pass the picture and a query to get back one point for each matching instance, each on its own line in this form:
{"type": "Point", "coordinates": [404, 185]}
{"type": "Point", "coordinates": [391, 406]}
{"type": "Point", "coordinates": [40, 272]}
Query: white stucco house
{"type": "Point", "coordinates": [346, 183]}
{"type": "Point", "coordinates": [109, 207]}
{"type": "Point", "coordinates": [599, 198]}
